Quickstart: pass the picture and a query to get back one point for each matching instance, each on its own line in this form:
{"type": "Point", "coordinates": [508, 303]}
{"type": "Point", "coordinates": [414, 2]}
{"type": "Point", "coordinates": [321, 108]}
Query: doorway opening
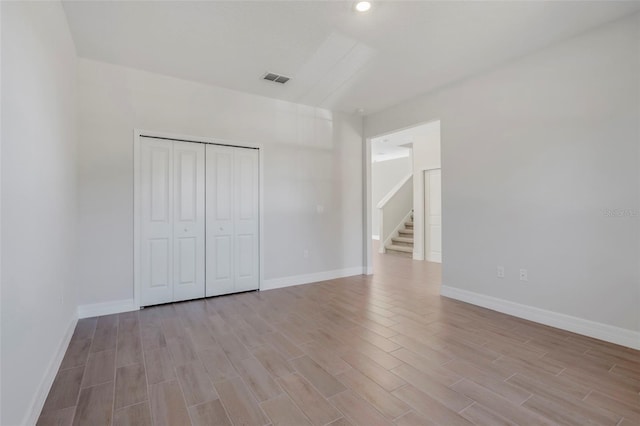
{"type": "Point", "coordinates": [404, 193]}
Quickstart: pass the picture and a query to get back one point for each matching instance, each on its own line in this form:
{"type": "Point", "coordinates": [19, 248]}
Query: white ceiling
{"type": "Point", "coordinates": [337, 58]}
{"type": "Point", "coordinates": [392, 146]}
{"type": "Point", "coordinates": [400, 143]}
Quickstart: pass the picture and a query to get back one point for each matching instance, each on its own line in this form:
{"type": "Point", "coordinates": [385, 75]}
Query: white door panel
{"type": "Point", "coordinates": [172, 221]}
{"type": "Point", "coordinates": [189, 221]}
{"type": "Point", "coordinates": [220, 223]}
{"type": "Point", "coordinates": [232, 220]}
{"type": "Point", "coordinates": [156, 257]}
{"type": "Point", "coordinates": [246, 220]}
{"type": "Point", "coordinates": [159, 263]}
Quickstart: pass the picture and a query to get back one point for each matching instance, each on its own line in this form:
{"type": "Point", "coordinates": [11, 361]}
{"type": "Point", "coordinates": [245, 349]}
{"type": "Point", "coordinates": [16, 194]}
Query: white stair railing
{"type": "Point", "coordinates": [394, 209]}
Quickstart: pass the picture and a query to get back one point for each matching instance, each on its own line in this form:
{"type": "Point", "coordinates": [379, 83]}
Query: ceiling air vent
{"type": "Point", "coordinates": [276, 78]}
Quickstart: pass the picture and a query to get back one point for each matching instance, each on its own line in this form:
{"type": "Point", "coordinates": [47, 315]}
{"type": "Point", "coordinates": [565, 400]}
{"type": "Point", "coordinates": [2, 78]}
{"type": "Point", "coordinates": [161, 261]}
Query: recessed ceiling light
{"type": "Point", "coordinates": [363, 6]}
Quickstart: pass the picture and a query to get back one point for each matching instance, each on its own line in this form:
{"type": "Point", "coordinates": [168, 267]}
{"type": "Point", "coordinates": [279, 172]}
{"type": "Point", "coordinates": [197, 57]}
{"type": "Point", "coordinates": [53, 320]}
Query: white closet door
{"type": "Point", "coordinates": [189, 221]}
{"type": "Point", "coordinates": [156, 221]}
{"type": "Point", "coordinates": [220, 220]}
{"type": "Point", "coordinates": [233, 262]}
{"type": "Point", "coordinates": [246, 235]}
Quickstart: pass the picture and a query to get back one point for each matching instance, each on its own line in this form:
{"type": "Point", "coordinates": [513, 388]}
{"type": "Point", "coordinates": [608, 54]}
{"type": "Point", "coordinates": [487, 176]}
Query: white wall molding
{"type": "Point", "coordinates": [311, 278]}
{"type": "Point", "coordinates": [106, 308]}
{"type": "Point", "coordinates": [37, 403]}
{"type": "Point", "coordinates": [609, 333]}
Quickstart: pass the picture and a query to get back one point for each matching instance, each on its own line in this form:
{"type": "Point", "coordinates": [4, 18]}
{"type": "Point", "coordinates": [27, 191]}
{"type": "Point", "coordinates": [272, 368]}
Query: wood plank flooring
{"type": "Point", "coordinates": [378, 350]}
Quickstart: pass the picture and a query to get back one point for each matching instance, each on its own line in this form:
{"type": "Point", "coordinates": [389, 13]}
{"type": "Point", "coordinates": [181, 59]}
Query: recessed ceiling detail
{"type": "Point", "coordinates": [340, 59]}
{"type": "Point", "coordinates": [276, 78]}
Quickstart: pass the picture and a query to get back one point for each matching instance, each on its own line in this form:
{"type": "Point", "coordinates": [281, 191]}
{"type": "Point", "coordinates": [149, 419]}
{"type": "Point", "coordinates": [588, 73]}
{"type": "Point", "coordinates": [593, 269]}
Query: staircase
{"type": "Point", "coordinates": [402, 245]}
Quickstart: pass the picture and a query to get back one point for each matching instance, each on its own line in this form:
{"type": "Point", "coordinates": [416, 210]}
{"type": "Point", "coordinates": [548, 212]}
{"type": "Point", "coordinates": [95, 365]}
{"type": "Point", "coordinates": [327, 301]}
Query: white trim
{"type": "Point", "coordinates": [107, 308]}
{"type": "Point", "coordinates": [393, 191]}
{"type": "Point", "coordinates": [312, 278]}
{"type": "Point", "coordinates": [137, 133]}
{"type": "Point", "coordinates": [421, 244]}
{"type": "Point", "coordinates": [398, 130]}
{"type": "Point", "coordinates": [383, 246]}
{"type": "Point", "coordinates": [420, 215]}
{"type": "Point", "coordinates": [136, 216]}
{"type": "Point", "coordinates": [381, 158]}
{"type": "Point", "coordinates": [37, 403]}
{"type": "Point", "coordinates": [367, 209]}
{"type": "Point", "coordinates": [375, 237]}
{"type": "Point", "coordinates": [608, 333]}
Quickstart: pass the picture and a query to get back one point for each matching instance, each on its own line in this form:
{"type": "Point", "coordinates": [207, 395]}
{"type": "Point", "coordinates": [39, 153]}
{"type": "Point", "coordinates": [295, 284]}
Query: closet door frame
{"type": "Point", "coordinates": [137, 158]}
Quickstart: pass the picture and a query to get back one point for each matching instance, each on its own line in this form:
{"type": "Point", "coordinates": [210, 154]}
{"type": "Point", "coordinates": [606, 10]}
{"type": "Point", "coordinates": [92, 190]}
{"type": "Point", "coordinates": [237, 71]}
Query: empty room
{"type": "Point", "coordinates": [320, 213]}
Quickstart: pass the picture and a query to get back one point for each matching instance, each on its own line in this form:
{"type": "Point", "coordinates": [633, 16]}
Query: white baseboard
{"type": "Point", "coordinates": [608, 333]}
{"type": "Point", "coordinates": [40, 397]}
{"type": "Point", "coordinates": [311, 278]}
{"type": "Point", "coordinates": [106, 308]}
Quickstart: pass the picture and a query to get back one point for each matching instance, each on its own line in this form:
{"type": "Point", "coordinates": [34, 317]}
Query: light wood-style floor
{"type": "Point", "coordinates": [362, 351]}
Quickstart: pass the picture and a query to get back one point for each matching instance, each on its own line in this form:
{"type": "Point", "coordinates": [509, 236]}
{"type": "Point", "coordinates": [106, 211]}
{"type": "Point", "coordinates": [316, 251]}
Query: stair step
{"type": "Point", "coordinates": [404, 249]}
{"type": "Point", "coordinates": [399, 254]}
{"type": "Point", "coordinates": [409, 224]}
{"type": "Point", "coordinates": [406, 231]}
{"type": "Point", "coordinates": [403, 239]}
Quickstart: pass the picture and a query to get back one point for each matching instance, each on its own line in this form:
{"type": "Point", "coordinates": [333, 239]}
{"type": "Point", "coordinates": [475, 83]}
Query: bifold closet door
{"type": "Point", "coordinates": [172, 221]}
{"type": "Point", "coordinates": [232, 220]}
{"type": "Point", "coordinates": [189, 221]}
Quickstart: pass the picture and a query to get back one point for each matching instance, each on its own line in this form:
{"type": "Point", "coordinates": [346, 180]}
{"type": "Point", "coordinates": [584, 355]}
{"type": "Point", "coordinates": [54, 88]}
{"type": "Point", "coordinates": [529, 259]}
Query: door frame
{"type": "Point", "coordinates": [367, 232]}
{"type": "Point", "coordinates": [137, 134]}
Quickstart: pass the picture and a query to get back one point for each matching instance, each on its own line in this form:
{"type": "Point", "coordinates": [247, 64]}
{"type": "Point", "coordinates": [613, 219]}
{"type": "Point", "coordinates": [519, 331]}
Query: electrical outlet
{"type": "Point", "coordinates": [500, 271]}
{"type": "Point", "coordinates": [305, 253]}
{"type": "Point", "coordinates": [523, 275]}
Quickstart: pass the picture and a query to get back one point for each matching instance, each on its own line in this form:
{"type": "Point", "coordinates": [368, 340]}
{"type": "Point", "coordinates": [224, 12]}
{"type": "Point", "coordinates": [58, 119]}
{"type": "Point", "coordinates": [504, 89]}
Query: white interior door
{"type": "Point", "coordinates": [172, 221]}
{"type": "Point", "coordinates": [198, 212]}
{"type": "Point", "coordinates": [189, 220]}
{"type": "Point", "coordinates": [433, 215]}
{"type": "Point", "coordinates": [220, 223]}
{"type": "Point", "coordinates": [246, 229]}
{"type": "Point", "coordinates": [156, 219]}
{"type": "Point", "coordinates": [232, 220]}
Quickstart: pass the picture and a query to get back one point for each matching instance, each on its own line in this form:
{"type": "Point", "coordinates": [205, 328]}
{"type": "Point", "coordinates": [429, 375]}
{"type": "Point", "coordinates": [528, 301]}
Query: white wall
{"type": "Point", "coordinates": [384, 176]}
{"type": "Point", "coordinates": [38, 202]}
{"type": "Point", "coordinates": [426, 156]}
{"type": "Point", "coordinates": [533, 155]}
{"type": "Point", "coordinates": [312, 158]}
